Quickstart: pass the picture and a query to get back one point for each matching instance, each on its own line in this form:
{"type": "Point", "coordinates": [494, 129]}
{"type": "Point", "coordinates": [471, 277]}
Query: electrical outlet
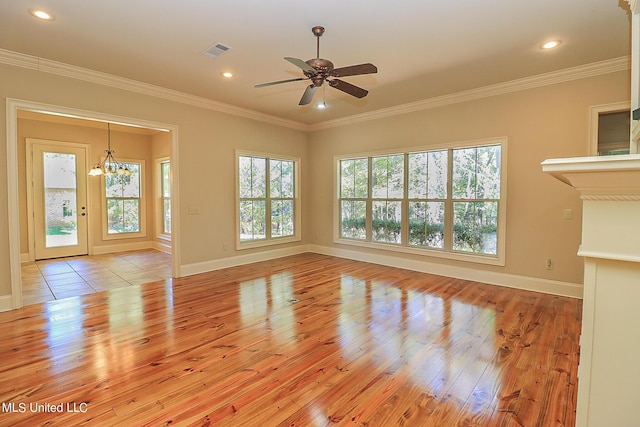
{"type": "Point", "coordinates": [549, 264]}
{"type": "Point", "coordinates": [194, 210]}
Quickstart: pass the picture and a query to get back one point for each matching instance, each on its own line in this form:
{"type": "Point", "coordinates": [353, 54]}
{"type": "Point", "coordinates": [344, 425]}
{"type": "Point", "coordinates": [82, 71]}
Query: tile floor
{"type": "Point", "coordinates": [58, 278]}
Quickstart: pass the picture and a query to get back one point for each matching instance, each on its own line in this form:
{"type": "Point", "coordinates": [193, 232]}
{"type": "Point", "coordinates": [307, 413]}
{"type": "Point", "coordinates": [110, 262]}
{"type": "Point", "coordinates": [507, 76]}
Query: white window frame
{"type": "Point", "coordinates": [159, 217]}
{"type": "Point", "coordinates": [142, 207]}
{"type": "Point", "coordinates": [490, 259]}
{"type": "Point", "coordinates": [297, 226]}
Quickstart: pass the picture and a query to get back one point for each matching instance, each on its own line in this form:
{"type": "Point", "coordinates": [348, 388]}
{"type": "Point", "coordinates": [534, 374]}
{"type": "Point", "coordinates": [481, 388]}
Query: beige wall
{"type": "Point", "coordinates": [540, 123]}
{"type": "Point", "coordinates": [207, 143]}
{"type": "Point", "coordinates": [551, 121]}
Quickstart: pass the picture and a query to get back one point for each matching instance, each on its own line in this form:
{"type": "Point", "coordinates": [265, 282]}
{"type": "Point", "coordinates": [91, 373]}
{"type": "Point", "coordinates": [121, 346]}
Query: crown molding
{"type": "Point", "coordinates": [633, 5]}
{"type": "Point", "coordinates": [574, 73]}
{"type": "Point", "coordinates": [53, 67]}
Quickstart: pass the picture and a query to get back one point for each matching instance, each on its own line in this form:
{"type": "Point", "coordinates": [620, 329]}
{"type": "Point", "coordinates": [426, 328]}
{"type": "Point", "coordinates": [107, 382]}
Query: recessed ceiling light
{"type": "Point", "coordinates": [321, 106]}
{"type": "Point", "coordinates": [551, 44]}
{"type": "Point", "coordinates": [227, 74]}
{"type": "Point", "coordinates": [41, 14]}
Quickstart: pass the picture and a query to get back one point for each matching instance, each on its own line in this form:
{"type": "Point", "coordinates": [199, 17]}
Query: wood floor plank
{"type": "Point", "coordinates": [306, 340]}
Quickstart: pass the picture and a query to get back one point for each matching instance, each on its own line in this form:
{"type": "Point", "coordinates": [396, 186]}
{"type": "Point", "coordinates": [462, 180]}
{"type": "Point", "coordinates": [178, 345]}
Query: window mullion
{"type": "Point", "coordinates": [267, 204]}
{"type": "Point", "coordinates": [404, 206]}
{"type": "Point", "coordinates": [369, 207]}
{"type": "Point", "coordinates": [448, 205]}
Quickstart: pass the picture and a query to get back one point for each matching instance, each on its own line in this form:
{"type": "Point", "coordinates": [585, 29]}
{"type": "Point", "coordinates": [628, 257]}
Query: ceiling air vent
{"type": "Point", "coordinates": [216, 50]}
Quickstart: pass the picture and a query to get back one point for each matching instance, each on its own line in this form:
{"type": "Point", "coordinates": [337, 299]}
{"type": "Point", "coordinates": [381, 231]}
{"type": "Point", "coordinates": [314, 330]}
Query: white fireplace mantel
{"type": "Point", "coordinates": [609, 372]}
{"type": "Point", "coordinates": [614, 177]}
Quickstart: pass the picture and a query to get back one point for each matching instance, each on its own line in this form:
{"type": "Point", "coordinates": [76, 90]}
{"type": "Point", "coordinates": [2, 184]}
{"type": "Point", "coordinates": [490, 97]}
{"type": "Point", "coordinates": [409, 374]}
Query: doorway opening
{"type": "Point", "coordinates": [53, 131]}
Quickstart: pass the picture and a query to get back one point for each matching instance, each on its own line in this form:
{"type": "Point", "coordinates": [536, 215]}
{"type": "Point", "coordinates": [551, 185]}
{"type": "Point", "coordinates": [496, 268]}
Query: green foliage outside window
{"type": "Point", "coordinates": [267, 198]}
{"type": "Point", "coordinates": [123, 193]}
{"type": "Point", "coordinates": [165, 184]}
{"type": "Point", "coordinates": [476, 189]}
{"type": "Point", "coordinates": [372, 191]}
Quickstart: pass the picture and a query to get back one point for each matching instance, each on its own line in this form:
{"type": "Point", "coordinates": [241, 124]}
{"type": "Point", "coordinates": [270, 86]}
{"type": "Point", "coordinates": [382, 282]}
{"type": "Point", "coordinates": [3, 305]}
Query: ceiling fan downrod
{"type": "Point", "coordinates": [317, 31]}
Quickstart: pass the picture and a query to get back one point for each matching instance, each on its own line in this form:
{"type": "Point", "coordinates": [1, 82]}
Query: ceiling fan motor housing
{"type": "Point", "coordinates": [321, 65]}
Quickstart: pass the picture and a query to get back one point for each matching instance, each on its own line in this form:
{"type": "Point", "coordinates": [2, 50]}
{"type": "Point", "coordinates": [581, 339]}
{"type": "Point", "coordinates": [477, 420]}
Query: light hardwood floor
{"type": "Point", "coordinates": [307, 340]}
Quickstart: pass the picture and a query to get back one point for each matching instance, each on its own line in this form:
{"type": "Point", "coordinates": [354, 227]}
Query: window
{"type": "Point", "coordinates": [165, 197]}
{"type": "Point", "coordinates": [476, 194]}
{"type": "Point", "coordinates": [610, 129]}
{"type": "Point", "coordinates": [446, 202]}
{"type": "Point", "coordinates": [614, 133]}
{"type": "Point", "coordinates": [124, 207]}
{"type": "Point", "coordinates": [268, 211]}
{"type": "Point", "coordinates": [427, 194]}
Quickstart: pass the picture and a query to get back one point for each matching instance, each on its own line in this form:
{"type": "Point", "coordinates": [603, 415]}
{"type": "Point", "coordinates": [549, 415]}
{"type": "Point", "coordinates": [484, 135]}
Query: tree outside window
{"type": "Point", "coordinates": [165, 195]}
{"type": "Point", "coordinates": [427, 194]}
{"type": "Point", "coordinates": [354, 190]}
{"type": "Point", "coordinates": [123, 194]}
{"type": "Point", "coordinates": [267, 202]}
{"type": "Point", "coordinates": [387, 192]}
{"type": "Point", "coordinates": [476, 194]}
{"type": "Point", "coordinates": [446, 200]}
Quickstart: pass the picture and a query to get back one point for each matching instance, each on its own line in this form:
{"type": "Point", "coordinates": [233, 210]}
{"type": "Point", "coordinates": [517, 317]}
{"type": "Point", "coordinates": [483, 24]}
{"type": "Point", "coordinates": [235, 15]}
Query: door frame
{"type": "Point", "coordinates": [31, 226]}
{"type": "Point", "coordinates": [13, 214]}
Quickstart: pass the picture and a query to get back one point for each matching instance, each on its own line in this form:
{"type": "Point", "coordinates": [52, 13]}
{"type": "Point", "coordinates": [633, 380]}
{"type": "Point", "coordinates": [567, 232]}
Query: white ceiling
{"type": "Point", "coordinates": [422, 48]}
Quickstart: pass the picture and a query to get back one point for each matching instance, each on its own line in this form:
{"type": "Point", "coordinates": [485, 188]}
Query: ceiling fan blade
{"type": "Point", "coordinates": [301, 64]}
{"type": "Point", "coordinates": [354, 70]}
{"type": "Point", "coordinates": [281, 81]}
{"type": "Point", "coordinates": [353, 90]}
{"type": "Point", "coordinates": [307, 96]}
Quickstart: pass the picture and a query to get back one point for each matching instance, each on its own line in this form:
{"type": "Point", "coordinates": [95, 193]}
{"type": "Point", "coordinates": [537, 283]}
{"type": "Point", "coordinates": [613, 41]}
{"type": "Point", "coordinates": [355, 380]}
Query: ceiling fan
{"type": "Point", "coordinates": [319, 70]}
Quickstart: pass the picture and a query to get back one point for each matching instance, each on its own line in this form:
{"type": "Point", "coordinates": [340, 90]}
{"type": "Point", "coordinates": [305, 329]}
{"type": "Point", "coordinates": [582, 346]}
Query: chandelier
{"type": "Point", "coordinates": [109, 165]}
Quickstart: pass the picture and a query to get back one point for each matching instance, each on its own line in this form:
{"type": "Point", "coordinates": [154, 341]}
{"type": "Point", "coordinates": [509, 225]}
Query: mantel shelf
{"type": "Point", "coordinates": [599, 178]}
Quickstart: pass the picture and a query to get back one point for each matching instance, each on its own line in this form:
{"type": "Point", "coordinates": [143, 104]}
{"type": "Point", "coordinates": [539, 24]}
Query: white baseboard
{"type": "Point", "coordinates": [203, 267]}
{"type": "Point", "coordinates": [121, 247]}
{"type": "Point", "coordinates": [162, 246]}
{"type": "Point", "coordinates": [100, 250]}
{"type": "Point", "coordinates": [566, 289]}
{"type": "Point", "coordinates": [572, 290]}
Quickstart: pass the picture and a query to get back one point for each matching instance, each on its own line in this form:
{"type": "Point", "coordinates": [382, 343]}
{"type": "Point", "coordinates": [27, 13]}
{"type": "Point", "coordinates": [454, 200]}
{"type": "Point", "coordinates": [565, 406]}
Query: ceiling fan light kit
{"type": "Point", "coordinates": [319, 70]}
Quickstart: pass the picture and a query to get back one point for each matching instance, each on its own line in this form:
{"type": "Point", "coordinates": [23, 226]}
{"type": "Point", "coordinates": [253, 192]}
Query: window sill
{"type": "Point", "coordinates": [119, 236]}
{"type": "Point", "coordinates": [457, 256]}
